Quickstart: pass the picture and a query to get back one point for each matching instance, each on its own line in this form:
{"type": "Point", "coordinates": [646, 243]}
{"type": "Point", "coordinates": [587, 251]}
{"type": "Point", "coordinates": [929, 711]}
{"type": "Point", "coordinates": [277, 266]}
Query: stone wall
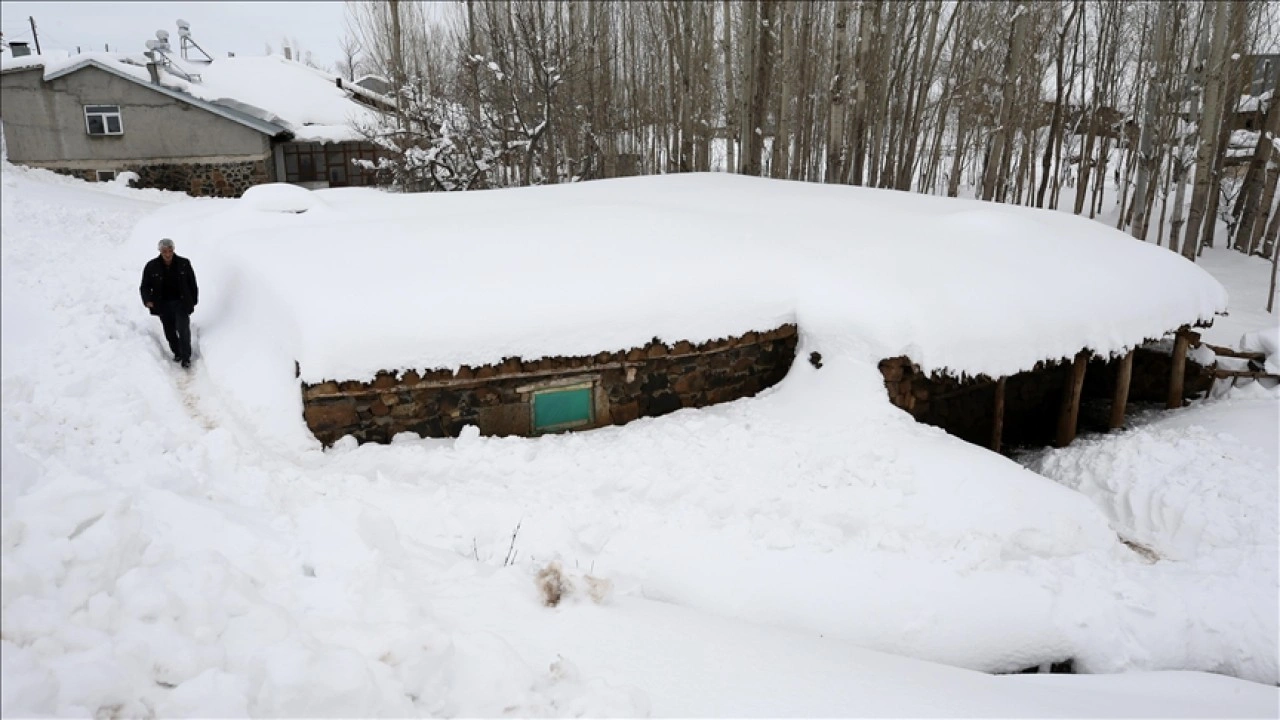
{"type": "Point", "coordinates": [641, 382]}
{"type": "Point", "coordinates": [966, 407]}
{"type": "Point", "coordinates": [229, 179]}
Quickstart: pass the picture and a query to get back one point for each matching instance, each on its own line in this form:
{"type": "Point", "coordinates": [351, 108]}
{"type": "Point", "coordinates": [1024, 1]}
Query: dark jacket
{"type": "Point", "coordinates": [153, 283]}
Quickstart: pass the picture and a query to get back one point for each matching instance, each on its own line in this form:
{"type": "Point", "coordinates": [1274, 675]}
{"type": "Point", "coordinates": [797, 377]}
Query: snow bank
{"type": "Point", "coordinates": [1197, 488]}
{"type": "Point", "coordinates": [175, 544]}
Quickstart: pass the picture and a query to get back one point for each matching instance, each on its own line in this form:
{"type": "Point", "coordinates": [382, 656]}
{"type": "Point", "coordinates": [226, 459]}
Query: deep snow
{"type": "Point", "coordinates": [169, 546]}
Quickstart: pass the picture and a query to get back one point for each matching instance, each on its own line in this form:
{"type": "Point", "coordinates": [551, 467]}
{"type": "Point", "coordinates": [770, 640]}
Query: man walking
{"type": "Point", "coordinates": [169, 290]}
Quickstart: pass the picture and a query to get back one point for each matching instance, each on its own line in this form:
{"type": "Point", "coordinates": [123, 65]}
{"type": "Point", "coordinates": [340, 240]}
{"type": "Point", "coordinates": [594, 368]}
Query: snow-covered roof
{"type": "Point", "coordinates": [1254, 103]}
{"type": "Point", "coordinates": [363, 281]}
{"type": "Point", "coordinates": [275, 92]}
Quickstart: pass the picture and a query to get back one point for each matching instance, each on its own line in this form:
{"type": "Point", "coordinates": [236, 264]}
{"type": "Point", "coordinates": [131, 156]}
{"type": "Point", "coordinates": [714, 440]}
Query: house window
{"type": "Point", "coordinates": [313, 162]}
{"type": "Point", "coordinates": [106, 175]}
{"type": "Point", "coordinates": [562, 408]}
{"type": "Point", "coordinates": [103, 120]}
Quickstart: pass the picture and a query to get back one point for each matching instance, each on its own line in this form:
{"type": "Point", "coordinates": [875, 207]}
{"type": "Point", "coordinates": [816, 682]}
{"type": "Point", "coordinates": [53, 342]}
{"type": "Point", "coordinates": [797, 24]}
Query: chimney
{"type": "Point", "coordinates": [153, 67]}
{"type": "Point", "coordinates": [19, 49]}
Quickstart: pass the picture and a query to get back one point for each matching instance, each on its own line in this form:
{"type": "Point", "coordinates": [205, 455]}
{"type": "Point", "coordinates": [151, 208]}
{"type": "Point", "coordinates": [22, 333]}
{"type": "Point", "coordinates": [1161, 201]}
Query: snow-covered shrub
{"type": "Point", "coordinates": [553, 584]}
{"type": "Point", "coordinates": [429, 146]}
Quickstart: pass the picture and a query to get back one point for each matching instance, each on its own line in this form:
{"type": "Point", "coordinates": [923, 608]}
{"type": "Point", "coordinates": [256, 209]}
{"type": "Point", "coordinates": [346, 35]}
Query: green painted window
{"type": "Point", "coordinates": [561, 408]}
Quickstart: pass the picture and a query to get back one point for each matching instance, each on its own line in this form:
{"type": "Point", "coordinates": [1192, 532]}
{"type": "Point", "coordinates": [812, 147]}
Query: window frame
{"type": "Point", "coordinates": [111, 173]}
{"type": "Point", "coordinates": [100, 112]}
{"type": "Point", "coordinates": [321, 160]}
{"type": "Point", "coordinates": [588, 384]}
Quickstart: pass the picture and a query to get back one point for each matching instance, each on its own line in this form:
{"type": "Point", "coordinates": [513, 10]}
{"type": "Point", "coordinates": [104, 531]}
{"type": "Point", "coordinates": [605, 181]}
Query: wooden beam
{"type": "Point", "coordinates": [1124, 373]}
{"type": "Point", "coordinates": [997, 424]}
{"type": "Point", "coordinates": [1179, 367]}
{"type": "Point", "coordinates": [1069, 415]}
{"type": "Point", "coordinates": [1232, 352]}
{"type": "Point", "coordinates": [1250, 374]}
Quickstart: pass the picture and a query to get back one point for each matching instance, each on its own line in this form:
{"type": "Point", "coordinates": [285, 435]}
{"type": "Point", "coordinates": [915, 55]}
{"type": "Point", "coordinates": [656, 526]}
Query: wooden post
{"type": "Point", "coordinates": [1180, 344]}
{"type": "Point", "coordinates": [997, 425]}
{"type": "Point", "coordinates": [1124, 373]}
{"type": "Point", "coordinates": [1070, 413]}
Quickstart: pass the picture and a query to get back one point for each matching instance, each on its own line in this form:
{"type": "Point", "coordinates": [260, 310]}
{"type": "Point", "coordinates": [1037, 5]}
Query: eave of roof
{"type": "Point", "coordinates": [265, 127]}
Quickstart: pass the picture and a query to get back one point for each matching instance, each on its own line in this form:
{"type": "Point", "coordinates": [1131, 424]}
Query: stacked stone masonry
{"type": "Point", "coordinates": [641, 382]}
{"type": "Point", "coordinates": [228, 180]}
{"type": "Point", "coordinates": [966, 407]}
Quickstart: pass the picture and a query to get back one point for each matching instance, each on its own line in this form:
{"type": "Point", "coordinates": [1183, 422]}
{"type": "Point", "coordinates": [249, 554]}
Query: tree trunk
{"type": "Point", "coordinates": [1264, 204]}
{"type": "Point", "coordinates": [868, 15]}
{"type": "Point", "coordinates": [1055, 121]}
{"type": "Point", "coordinates": [1269, 245]}
{"type": "Point", "coordinates": [730, 104]}
{"type": "Point", "coordinates": [1208, 139]}
{"type": "Point", "coordinates": [1194, 76]}
{"type": "Point", "coordinates": [1231, 77]}
{"type": "Point", "coordinates": [997, 157]}
{"type": "Point", "coordinates": [750, 51]}
{"type": "Point", "coordinates": [760, 88]}
{"type": "Point", "coordinates": [1146, 154]}
{"type": "Point", "coordinates": [1252, 191]}
{"type": "Point", "coordinates": [397, 60]}
{"type": "Point", "coordinates": [835, 127]}
{"type": "Point", "coordinates": [780, 149]}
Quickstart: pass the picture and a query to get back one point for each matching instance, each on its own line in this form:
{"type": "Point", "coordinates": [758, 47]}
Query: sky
{"type": "Point", "coordinates": [244, 28]}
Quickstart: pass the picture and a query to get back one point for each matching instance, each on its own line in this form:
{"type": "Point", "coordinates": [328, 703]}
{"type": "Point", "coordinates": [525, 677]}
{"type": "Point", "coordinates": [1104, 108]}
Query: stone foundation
{"type": "Point", "coordinates": [625, 385]}
{"type": "Point", "coordinates": [1033, 399]}
{"type": "Point", "coordinates": [229, 179]}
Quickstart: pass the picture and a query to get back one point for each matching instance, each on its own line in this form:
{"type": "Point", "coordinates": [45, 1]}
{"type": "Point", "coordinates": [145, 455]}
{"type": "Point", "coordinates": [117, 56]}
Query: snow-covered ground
{"type": "Point", "coordinates": [803, 553]}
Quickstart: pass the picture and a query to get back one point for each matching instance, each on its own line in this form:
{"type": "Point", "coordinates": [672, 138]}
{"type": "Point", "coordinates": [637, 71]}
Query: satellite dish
{"type": "Point", "coordinates": [162, 36]}
{"type": "Point", "coordinates": [153, 44]}
{"type": "Point", "coordinates": [183, 24]}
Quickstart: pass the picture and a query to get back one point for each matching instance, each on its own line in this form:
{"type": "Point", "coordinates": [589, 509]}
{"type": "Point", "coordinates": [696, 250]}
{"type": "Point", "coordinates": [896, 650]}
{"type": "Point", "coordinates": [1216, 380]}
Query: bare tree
{"type": "Point", "coordinates": [1210, 120]}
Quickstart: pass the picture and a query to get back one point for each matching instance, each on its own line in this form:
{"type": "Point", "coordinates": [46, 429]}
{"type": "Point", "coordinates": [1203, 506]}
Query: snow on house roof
{"type": "Point", "coordinates": [282, 93]}
{"type": "Point", "coordinates": [1254, 103]}
{"type": "Point", "coordinates": [364, 281]}
{"type": "Point", "coordinates": [307, 99]}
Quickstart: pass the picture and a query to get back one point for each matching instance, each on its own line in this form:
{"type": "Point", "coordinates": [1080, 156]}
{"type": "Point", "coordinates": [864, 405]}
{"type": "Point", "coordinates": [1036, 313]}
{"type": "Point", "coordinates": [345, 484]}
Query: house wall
{"type": "Point", "coordinates": [169, 143]}
{"type": "Point", "coordinates": [628, 384]}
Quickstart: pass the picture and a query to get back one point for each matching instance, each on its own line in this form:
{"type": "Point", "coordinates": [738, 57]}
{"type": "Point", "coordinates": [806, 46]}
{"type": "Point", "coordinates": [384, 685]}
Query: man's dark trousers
{"type": "Point", "coordinates": [177, 328]}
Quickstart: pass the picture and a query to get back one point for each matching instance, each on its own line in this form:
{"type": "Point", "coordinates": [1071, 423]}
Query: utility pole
{"type": "Point", "coordinates": [33, 33]}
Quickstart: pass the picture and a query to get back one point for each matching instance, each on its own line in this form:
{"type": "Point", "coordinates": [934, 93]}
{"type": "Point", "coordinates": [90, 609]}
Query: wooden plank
{"type": "Point", "coordinates": [1124, 373]}
{"type": "Point", "coordinates": [997, 424]}
{"type": "Point", "coordinates": [1179, 366]}
{"type": "Point", "coordinates": [1069, 415]}
{"type": "Point", "coordinates": [1254, 374]}
{"type": "Point", "coordinates": [1232, 352]}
